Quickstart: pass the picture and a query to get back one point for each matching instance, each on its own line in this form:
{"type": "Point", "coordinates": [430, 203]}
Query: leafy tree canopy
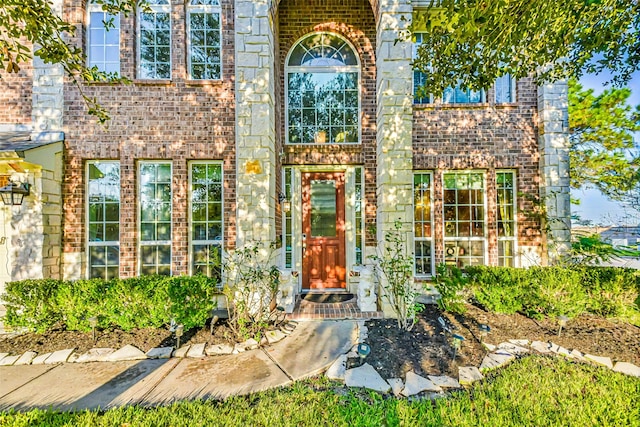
{"type": "Point", "coordinates": [602, 153]}
{"type": "Point", "coordinates": [473, 42]}
{"type": "Point", "coordinates": [32, 23]}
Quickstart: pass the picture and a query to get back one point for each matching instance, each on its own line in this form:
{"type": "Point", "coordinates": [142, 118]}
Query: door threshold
{"type": "Point", "coordinates": [325, 291]}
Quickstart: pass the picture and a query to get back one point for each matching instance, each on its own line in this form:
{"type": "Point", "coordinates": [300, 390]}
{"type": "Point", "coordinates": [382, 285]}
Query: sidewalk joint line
{"type": "Point", "coordinates": [31, 380]}
{"type": "Point", "coordinates": [276, 363]}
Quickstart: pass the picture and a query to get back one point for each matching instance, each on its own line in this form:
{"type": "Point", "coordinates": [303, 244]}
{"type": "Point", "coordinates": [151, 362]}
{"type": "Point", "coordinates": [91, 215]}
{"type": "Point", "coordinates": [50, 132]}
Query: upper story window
{"type": "Point", "coordinates": [451, 95]}
{"type": "Point", "coordinates": [323, 91]}
{"type": "Point", "coordinates": [103, 40]}
{"type": "Point", "coordinates": [505, 89]}
{"type": "Point", "coordinates": [154, 41]}
{"type": "Point", "coordinates": [204, 35]}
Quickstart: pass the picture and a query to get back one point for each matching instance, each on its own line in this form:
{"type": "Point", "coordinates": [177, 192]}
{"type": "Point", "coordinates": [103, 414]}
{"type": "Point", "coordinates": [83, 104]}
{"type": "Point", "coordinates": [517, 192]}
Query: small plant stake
{"type": "Point", "coordinates": [179, 332]}
{"type": "Point", "coordinates": [562, 321]}
{"type": "Point", "coordinates": [93, 322]}
{"type": "Point", "coordinates": [457, 343]}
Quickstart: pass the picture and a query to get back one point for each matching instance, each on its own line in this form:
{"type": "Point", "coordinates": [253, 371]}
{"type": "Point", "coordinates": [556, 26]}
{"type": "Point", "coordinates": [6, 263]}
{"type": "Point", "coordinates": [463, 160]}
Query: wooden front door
{"type": "Point", "coordinates": [323, 260]}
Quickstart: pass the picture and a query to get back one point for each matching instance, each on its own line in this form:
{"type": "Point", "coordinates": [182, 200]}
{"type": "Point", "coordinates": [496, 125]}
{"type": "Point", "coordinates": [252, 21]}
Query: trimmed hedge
{"type": "Point", "coordinates": [553, 291]}
{"type": "Point", "coordinates": [138, 302]}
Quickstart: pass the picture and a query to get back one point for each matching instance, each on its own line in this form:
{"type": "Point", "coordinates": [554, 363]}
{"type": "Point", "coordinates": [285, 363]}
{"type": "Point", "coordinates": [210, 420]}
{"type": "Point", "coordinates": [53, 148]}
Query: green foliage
{"type": "Point", "coordinates": [532, 391]}
{"type": "Point", "coordinates": [602, 141]}
{"type": "Point", "coordinates": [450, 283]}
{"type": "Point", "coordinates": [252, 285]}
{"type": "Point", "coordinates": [554, 291]}
{"type": "Point", "coordinates": [139, 302]}
{"type": "Point", "coordinates": [472, 43]}
{"type": "Point", "coordinates": [395, 271]}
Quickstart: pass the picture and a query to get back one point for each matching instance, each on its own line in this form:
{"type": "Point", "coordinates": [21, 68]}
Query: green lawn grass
{"type": "Point", "coordinates": [534, 391]}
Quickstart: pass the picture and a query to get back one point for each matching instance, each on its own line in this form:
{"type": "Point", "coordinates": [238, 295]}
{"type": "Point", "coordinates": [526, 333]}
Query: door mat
{"type": "Point", "coordinates": [327, 298]}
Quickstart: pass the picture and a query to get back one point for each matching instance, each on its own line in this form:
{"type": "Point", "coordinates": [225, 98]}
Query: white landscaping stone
{"type": "Point", "coordinates": [489, 347]}
{"type": "Point", "coordinates": [415, 384]}
{"type": "Point", "coordinates": [196, 350]}
{"type": "Point", "coordinates": [469, 374]}
{"type": "Point", "coordinates": [218, 349]}
{"type": "Point", "coordinates": [274, 336]}
{"type": "Point", "coordinates": [98, 354]}
{"type": "Point", "coordinates": [160, 353]}
{"type": "Point", "coordinates": [396, 385]}
{"type": "Point", "coordinates": [627, 368]}
{"type": "Point", "coordinates": [239, 348]}
{"type": "Point", "coordinates": [182, 351]}
{"type": "Point", "coordinates": [495, 360]}
{"type": "Point", "coordinates": [367, 377]}
{"type": "Point", "coordinates": [249, 344]}
{"type": "Point", "coordinates": [512, 348]}
{"type": "Point", "coordinates": [521, 343]}
{"type": "Point", "coordinates": [128, 352]}
{"type": "Point", "coordinates": [73, 358]}
{"type": "Point", "coordinates": [364, 333]}
{"type": "Point", "coordinates": [444, 381]}
{"type": "Point", "coordinates": [3, 355]}
{"type": "Point", "coordinates": [600, 360]}
{"type": "Point", "coordinates": [559, 350]}
{"type": "Point", "coordinates": [337, 370]}
{"type": "Point", "coordinates": [540, 347]}
{"type": "Point", "coordinates": [9, 360]}
{"type": "Point", "coordinates": [575, 354]}
{"type": "Point", "coordinates": [59, 356]}
{"type": "Point", "coordinates": [40, 359]}
{"type": "Point", "coordinates": [26, 358]}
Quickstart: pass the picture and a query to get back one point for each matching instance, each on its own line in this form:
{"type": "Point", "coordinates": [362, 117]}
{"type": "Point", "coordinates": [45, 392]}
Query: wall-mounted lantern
{"type": "Point", "coordinates": [14, 192]}
{"type": "Point", "coordinates": [286, 203]}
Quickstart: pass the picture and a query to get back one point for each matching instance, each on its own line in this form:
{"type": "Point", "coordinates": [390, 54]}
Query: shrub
{"type": "Point", "coordinates": [139, 302]}
{"type": "Point", "coordinates": [450, 283]}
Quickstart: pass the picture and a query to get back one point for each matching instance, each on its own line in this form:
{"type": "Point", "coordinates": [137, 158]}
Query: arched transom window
{"type": "Point", "coordinates": [322, 91]}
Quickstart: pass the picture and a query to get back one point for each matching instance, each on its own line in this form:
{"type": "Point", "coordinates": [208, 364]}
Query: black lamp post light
{"type": "Point", "coordinates": [13, 193]}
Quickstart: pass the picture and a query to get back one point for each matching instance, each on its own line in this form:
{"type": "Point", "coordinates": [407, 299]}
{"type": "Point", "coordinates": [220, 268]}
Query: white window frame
{"type": "Point", "coordinates": [424, 239]}
{"type": "Point", "coordinates": [192, 241]}
{"type": "Point", "coordinates": [142, 243]}
{"type": "Point", "coordinates": [503, 81]}
{"type": "Point", "coordinates": [514, 203]}
{"type": "Point", "coordinates": [103, 243]}
{"type": "Point", "coordinates": [93, 8]}
{"type": "Point", "coordinates": [209, 9]}
{"type": "Point", "coordinates": [288, 186]}
{"type": "Point", "coordinates": [485, 238]}
{"type": "Point", "coordinates": [322, 69]}
{"type": "Point", "coordinates": [154, 8]}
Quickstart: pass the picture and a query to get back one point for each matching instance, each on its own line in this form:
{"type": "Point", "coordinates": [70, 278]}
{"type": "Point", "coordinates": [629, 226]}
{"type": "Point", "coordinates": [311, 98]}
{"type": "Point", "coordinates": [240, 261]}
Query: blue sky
{"type": "Point", "coordinates": [593, 205]}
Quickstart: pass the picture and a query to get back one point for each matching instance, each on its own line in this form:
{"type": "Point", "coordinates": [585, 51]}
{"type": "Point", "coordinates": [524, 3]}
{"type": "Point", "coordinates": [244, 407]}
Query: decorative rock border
{"type": "Point", "coordinates": [499, 355]}
{"type": "Point", "coordinates": [129, 352]}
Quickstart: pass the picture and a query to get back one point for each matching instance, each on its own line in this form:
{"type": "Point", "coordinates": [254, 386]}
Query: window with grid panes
{"type": "Point", "coordinates": [103, 40]}
{"type": "Point", "coordinates": [204, 30]}
{"type": "Point", "coordinates": [422, 223]}
{"type": "Point", "coordinates": [154, 40]}
{"type": "Point", "coordinates": [506, 217]}
{"type": "Point", "coordinates": [207, 218]}
{"type": "Point", "coordinates": [103, 219]}
{"type": "Point", "coordinates": [464, 210]}
{"type": "Point", "coordinates": [155, 217]}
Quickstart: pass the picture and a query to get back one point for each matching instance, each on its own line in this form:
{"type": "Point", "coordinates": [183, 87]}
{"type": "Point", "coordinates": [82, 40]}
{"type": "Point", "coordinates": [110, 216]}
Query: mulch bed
{"type": "Point", "coordinates": [426, 349]}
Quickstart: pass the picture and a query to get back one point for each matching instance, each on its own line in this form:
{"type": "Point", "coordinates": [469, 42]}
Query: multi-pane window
{"type": "Point", "coordinates": [505, 87]}
{"type": "Point", "coordinates": [154, 40]}
{"type": "Point", "coordinates": [155, 217]}
{"type": "Point", "coordinates": [506, 204]}
{"type": "Point", "coordinates": [323, 100]}
{"type": "Point", "coordinates": [103, 219]}
{"type": "Point", "coordinates": [422, 223]}
{"type": "Point", "coordinates": [204, 39]}
{"type": "Point", "coordinates": [206, 218]}
{"type": "Point", "coordinates": [451, 95]}
{"type": "Point", "coordinates": [103, 40]}
{"type": "Point", "coordinates": [359, 208]}
{"type": "Point", "coordinates": [464, 209]}
{"type": "Point", "coordinates": [287, 218]}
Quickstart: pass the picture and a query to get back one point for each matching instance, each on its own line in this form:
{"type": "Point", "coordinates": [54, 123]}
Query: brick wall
{"type": "Point", "coordinates": [177, 120]}
{"type": "Point", "coordinates": [487, 137]}
{"type": "Point", "coordinates": [15, 95]}
{"type": "Point", "coordinates": [354, 20]}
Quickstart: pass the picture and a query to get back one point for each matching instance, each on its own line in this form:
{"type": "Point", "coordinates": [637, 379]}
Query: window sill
{"type": "Point", "coordinates": [191, 82]}
{"type": "Point", "coordinates": [152, 82]}
{"type": "Point", "coordinates": [459, 106]}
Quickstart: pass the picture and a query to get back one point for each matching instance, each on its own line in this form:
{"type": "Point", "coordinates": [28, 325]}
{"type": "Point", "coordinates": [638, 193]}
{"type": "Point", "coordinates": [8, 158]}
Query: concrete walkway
{"type": "Point", "coordinates": [309, 350]}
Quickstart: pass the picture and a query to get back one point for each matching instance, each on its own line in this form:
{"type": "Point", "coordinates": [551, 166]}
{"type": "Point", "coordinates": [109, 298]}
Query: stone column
{"type": "Point", "coordinates": [47, 98]}
{"type": "Point", "coordinates": [394, 120]}
{"type": "Point", "coordinates": [255, 121]}
{"type": "Point", "coordinates": [553, 141]}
